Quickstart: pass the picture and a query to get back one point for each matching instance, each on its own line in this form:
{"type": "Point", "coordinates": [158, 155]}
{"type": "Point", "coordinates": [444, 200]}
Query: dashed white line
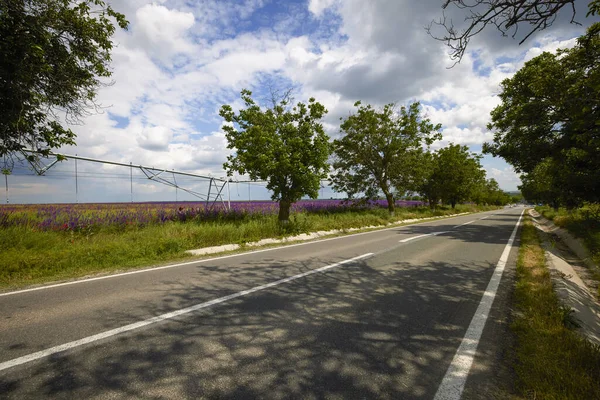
{"type": "Point", "coordinates": [414, 237]}
{"type": "Point", "coordinates": [420, 236]}
{"type": "Point", "coordinates": [163, 317]}
{"type": "Point", "coordinates": [454, 381]}
{"type": "Point", "coordinates": [485, 217]}
{"type": "Point", "coordinates": [466, 223]}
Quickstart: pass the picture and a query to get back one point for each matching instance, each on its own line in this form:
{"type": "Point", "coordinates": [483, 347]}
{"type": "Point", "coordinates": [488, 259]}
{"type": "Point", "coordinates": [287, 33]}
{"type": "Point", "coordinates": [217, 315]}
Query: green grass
{"type": "Point", "coordinates": [552, 361]}
{"type": "Point", "coordinates": [32, 257]}
{"type": "Point", "coordinates": [582, 222]}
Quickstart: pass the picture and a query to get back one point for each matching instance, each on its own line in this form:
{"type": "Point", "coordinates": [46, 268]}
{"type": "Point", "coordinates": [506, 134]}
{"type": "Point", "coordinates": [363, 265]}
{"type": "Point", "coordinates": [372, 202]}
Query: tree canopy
{"type": "Point", "coordinates": [380, 149]}
{"type": "Point", "coordinates": [282, 145]}
{"type": "Point", "coordinates": [53, 55]}
{"type": "Point", "coordinates": [455, 176]}
{"type": "Point", "coordinates": [504, 15]}
{"type": "Point", "coordinates": [550, 114]}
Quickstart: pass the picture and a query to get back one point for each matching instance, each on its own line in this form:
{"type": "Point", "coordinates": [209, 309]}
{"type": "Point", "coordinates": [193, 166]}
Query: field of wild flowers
{"type": "Point", "coordinates": [75, 217]}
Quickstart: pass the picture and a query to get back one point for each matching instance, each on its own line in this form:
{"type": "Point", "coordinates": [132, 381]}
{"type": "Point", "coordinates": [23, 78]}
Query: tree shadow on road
{"type": "Point", "coordinates": [369, 329]}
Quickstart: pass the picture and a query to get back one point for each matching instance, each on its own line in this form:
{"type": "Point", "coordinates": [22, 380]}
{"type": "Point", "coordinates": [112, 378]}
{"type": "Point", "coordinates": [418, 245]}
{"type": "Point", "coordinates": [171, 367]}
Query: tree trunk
{"type": "Point", "coordinates": [431, 203]}
{"type": "Point", "coordinates": [391, 204]}
{"type": "Point", "coordinates": [453, 204]}
{"type": "Point", "coordinates": [284, 211]}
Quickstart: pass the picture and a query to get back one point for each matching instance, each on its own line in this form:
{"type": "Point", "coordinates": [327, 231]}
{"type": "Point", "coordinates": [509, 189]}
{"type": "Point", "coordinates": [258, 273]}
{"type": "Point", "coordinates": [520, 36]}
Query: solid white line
{"type": "Point", "coordinates": [139, 271]}
{"type": "Point", "coordinates": [454, 381]}
{"type": "Point", "coordinates": [485, 217]}
{"type": "Point", "coordinates": [439, 233]}
{"type": "Point", "coordinates": [163, 317]}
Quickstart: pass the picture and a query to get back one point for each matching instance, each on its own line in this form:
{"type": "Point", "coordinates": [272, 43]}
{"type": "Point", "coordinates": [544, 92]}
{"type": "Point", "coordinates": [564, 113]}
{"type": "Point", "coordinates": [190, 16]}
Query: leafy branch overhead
{"type": "Point", "coordinates": [284, 145]}
{"type": "Point", "coordinates": [55, 55]}
{"type": "Point", "coordinates": [507, 16]}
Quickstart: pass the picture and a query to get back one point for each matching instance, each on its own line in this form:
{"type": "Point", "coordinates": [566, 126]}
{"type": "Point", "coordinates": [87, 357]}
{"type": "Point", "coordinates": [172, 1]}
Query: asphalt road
{"type": "Point", "coordinates": [384, 325]}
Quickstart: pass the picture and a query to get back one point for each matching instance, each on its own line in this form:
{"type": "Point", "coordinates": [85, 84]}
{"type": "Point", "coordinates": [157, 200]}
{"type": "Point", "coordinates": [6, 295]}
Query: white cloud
{"type": "Point", "coordinates": [156, 138]}
{"type": "Point", "coordinates": [180, 61]}
{"type": "Point", "coordinates": [161, 31]}
{"type": "Point", "coordinates": [317, 7]}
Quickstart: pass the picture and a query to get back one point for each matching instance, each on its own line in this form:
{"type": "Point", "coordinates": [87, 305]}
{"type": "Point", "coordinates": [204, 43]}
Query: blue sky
{"type": "Point", "coordinates": [181, 60]}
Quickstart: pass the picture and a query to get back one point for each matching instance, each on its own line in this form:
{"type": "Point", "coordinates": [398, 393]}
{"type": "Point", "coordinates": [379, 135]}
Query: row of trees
{"type": "Point", "coordinates": [548, 125]}
{"type": "Point", "coordinates": [381, 152]}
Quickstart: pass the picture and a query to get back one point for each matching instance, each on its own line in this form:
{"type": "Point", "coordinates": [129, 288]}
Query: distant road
{"type": "Point", "coordinates": [373, 315]}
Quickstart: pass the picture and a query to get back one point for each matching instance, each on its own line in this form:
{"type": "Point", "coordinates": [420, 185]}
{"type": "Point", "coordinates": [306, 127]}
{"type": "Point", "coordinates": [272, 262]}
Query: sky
{"type": "Point", "coordinates": [179, 61]}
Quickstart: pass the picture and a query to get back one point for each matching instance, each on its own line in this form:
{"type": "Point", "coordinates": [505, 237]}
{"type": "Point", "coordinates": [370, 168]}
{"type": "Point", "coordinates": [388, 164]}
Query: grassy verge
{"type": "Point", "coordinates": [553, 362]}
{"type": "Point", "coordinates": [31, 257]}
{"type": "Point", "coordinates": [583, 223]}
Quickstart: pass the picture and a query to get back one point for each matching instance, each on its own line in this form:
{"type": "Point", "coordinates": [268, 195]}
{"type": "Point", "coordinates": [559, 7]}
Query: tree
{"type": "Point", "coordinates": [285, 147]}
{"type": "Point", "coordinates": [457, 173]}
{"type": "Point", "coordinates": [54, 54]}
{"type": "Point", "coordinates": [380, 149]}
{"type": "Point", "coordinates": [539, 186]}
{"type": "Point", "coordinates": [425, 185]}
{"type": "Point", "coordinates": [551, 110]}
{"type": "Point", "coordinates": [489, 192]}
{"type": "Point", "coordinates": [505, 15]}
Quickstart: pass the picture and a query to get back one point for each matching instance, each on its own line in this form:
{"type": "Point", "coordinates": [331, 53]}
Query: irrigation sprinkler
{"type": "Point", "coordinates": [152, 173]}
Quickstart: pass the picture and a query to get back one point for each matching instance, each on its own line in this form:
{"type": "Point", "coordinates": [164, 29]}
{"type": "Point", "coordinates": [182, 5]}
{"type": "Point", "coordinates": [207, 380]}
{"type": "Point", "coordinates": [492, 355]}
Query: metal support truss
{"type": "Point", "coordinates": [160, 175]}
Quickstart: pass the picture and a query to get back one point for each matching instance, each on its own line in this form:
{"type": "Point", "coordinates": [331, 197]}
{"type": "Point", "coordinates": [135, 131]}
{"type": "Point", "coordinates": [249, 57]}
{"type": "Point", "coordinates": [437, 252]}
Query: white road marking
{"type": "Point", "coordinates": [420, 236]}
{"type": "Point", "coordinates": [139, 271]}
{"type": "Point", "coordinates": [454, 381]}
{"type": "Point", "coordinates": [485, 217]}
{"type": "Point", "coordinates": [466, 223]}
{"type": "Point", "coordinates": [163, 317]}
{"type": "Point", "coordinates": [414, 237]}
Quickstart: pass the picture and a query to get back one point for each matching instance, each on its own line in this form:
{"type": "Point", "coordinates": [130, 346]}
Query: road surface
{"type": "Point", "coordinates": [395, 313]}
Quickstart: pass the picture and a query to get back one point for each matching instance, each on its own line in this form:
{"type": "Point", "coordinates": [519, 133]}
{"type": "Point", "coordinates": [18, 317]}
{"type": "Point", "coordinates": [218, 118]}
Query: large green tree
{"type": "Point", "coordinates": [53, 57]}
{"type": "Point", "coordinates": [380, 150]}
{"type": "Point", "coordinates": [551, 110]}
{"type": "Point", "coordinates": [456, 174]}
{"type": "Point", "coordinates": [283, 145]}
{"type": "Point", "coordinates": [505, 16]}
{"type": "Point", "coordinates": [540, 185]}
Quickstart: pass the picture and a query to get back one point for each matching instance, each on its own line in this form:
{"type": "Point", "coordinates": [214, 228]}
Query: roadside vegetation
{"type": "Point", "coordinates": [552, 360]}
{"type": "Point", "coordinates": [30, 255]}
{"type": "Point", "coordinates": [583, 222]}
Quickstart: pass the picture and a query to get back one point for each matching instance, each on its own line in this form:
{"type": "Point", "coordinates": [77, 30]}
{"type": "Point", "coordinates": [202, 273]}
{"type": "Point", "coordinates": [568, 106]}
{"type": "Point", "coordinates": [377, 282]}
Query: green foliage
{"type": "Point", "coordinates": [285, 147]}
{"type": "Point", "coordinates": [455, 175]}
{"type": "Point", "coordinates": [542, 185]}
{"type": "Point", "coordinates": [547, 125]}
{"type": "Point", "coordinates": [583, 222]}
{"type": "Point", "coordinates": [54, 54]}
{"type": "Point", "coordinates": [489, 192]}
{"type": "Point", "coordinates": [381, 150]}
